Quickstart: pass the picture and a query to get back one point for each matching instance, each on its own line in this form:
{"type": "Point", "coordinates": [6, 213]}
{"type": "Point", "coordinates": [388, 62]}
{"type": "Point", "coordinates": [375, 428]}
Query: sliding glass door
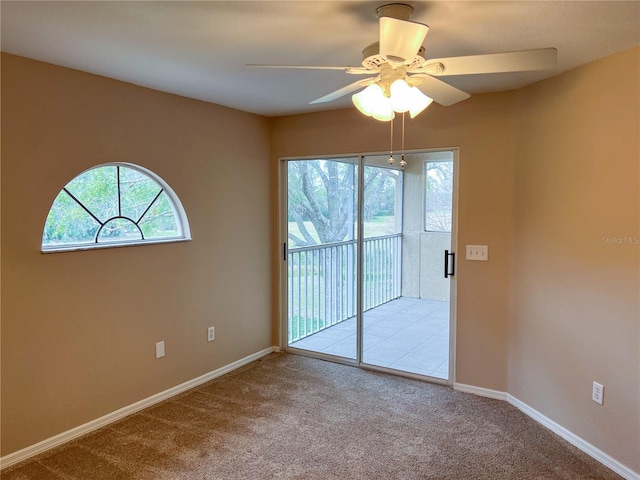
{"type": "Point", "coordinates": [322, 255]}
{"type": "Point", "coordinates": [365, 246]}
{"type": "Point", "coordinates": [410, 330]}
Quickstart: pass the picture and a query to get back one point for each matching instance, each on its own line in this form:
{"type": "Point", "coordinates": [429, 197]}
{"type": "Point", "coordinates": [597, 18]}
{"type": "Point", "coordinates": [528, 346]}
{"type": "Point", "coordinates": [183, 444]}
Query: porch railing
{"type": "Point", "coordinates": [322, 282]}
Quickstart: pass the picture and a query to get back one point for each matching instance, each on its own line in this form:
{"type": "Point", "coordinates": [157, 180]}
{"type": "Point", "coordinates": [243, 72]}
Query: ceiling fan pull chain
{"type": "Point", "coordinates": [403, 163]}
{"type": "Point", "coordinates": [391, 147]}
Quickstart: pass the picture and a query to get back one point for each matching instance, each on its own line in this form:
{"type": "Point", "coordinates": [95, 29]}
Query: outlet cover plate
{"type": "Point", "coordinates": [598, 393]}
{"type": "Point", "coordinates": [159, 349]}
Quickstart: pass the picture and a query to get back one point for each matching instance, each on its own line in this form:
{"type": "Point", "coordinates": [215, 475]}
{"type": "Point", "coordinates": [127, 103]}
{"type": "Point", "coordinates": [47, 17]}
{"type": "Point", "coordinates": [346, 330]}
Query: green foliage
{"type": "Point", "coordinates": [97, 189]}
{"type": "Point", "coordinates": [160, 220]}
{"type": "Point", "coordinates": [380, 186]}
{"type": "Point", "coordinates": [439, 196]}
{"type": "Point", "coordinates": [322, 200]}
{"type": "Point", "coordinates": [300, 327]}
{"type": "Point", "coordinates": [67, 222]}
{"type": "Point", "coordinates": [119, 229]}
{"type": "Point", "coordinates": [324, 193]}
{"type": "Point", "coordinates": [138, 207]}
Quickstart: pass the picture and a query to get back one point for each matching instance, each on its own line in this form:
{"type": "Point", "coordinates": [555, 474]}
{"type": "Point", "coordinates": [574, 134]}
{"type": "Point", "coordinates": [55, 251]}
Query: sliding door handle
{"type": "Point", "coordinates": [449, 272]}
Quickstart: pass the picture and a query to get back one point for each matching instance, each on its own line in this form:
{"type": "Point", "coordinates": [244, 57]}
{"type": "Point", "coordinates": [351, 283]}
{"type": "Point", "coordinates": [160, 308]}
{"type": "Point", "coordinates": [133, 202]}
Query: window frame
{"type": "Point", "coordinates": [180, 215]}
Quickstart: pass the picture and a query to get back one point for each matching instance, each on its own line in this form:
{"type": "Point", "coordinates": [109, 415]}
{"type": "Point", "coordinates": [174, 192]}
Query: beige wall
{"type": "Point", "coordinates": [575, 314]}
{"type": "Point", "coordinates": [483, 129]}
{"type": "Point", "coordinates": [79, 328]}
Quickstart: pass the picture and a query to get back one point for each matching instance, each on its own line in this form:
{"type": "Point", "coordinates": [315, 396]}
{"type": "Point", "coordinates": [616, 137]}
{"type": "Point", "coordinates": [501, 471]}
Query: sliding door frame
{"type": "Point", "coordinates": [283, 270]}
{"type": "Point", "coordinates": [283, 253]}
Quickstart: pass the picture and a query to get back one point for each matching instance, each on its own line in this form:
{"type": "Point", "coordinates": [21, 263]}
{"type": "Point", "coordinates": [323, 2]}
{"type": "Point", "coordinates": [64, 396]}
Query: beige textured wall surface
{"type": "Point", "coordinates": [79, 328]}
{"type": "Point", "coordinates": [482, 128]}
{"type": "Point", "coordinates": [575, 314]}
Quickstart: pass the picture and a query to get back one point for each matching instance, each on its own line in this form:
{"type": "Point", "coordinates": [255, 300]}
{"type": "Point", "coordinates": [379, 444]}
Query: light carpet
{"type": "Point", "coordinates": [292, 417]}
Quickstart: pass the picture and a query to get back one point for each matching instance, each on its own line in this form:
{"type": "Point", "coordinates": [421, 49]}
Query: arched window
{"type": "Point", "coordinates": [114, 204]}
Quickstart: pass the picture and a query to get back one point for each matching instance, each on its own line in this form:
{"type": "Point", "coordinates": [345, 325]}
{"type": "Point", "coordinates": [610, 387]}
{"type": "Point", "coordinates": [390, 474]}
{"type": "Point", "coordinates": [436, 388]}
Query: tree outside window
{"type": "Point", "coordinates": [114, 204]}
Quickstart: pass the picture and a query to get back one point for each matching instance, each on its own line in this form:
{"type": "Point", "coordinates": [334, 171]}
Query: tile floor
{"type": "Point", "coordinates": [407, 334]}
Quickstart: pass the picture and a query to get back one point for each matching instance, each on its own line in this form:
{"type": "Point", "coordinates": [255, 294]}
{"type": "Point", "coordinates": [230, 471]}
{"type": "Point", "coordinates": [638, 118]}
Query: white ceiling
{"type": "Point", "coordinates": [199, 49]}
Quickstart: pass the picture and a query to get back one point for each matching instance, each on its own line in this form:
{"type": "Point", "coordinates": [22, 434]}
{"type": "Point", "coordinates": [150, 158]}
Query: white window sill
{"type": "Point", "coordinates": [97, 246]}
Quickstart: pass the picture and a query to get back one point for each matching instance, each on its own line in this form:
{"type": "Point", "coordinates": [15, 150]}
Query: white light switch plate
{"type": "Point", "coordinates": [478, 252]}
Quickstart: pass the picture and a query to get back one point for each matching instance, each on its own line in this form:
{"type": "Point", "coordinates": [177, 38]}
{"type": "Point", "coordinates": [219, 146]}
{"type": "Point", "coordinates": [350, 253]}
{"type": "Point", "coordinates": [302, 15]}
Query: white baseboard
{"type": "Point", "coordinates": [570, 437]}
{"type": "Point", "coordinates": [483, 392]}
{"type": "Point", "coordinates": [575, 440]}
{"type": "Point", "coordinates": [88, 427]}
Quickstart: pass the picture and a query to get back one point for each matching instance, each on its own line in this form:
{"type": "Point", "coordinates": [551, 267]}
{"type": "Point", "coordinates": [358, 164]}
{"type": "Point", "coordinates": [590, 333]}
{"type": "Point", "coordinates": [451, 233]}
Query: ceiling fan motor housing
{"type": "Point", "coordinates": [400, 11]}
{"type": "Point", "coordinates": [372, 60]}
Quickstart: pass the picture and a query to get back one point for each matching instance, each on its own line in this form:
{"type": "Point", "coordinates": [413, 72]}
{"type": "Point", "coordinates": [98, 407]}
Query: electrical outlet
{"type": "Point", "coordinates": [211, 334]}
{"type": "Point", "coordinates": [598, 393]}
{"type": "Point", "coordinates": [159, 349]}
{"type": "Point", "coordinates": [478, 252]}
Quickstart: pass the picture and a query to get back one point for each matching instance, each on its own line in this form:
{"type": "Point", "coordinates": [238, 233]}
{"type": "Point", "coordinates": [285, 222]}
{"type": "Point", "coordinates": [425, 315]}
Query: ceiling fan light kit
{"type": "Point", "coordinates": [382, 104]}
{"type": "Point", "coordinates": [372, 102]}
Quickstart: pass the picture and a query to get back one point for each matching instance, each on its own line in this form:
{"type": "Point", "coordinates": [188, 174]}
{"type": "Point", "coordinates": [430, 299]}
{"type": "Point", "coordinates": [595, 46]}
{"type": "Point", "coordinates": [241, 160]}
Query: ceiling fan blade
{"type": "Point", "coordinates": [527, 60]}
{"type": "Point", "coordinates": [352, 87]}
{"type": "Point", "coordinates": [400, 40]}
{"type": "Point", "coordinates": [441, 92]}
{"type": "Point", "coordinates": [305, 67]}
{"type": "Point", "coordinates": [350, 70]}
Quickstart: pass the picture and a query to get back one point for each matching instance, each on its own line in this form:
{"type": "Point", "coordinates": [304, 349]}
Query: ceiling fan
{"type": "Point", "coordinates": [399, 55]}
